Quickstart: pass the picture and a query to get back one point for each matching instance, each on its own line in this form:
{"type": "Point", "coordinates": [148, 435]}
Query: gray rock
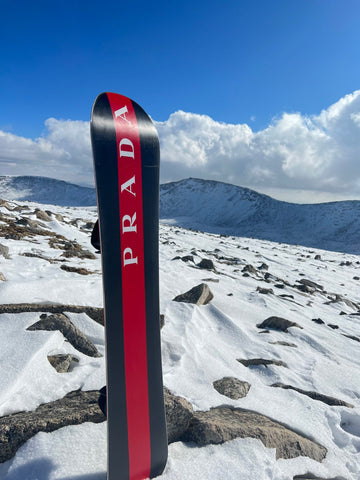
{"type": "Point", "coordinates": [62, 362]}
{"type": "Point", "coordinates": [41, 215]}
{"type": "Point", "coordinates": [249, 269]}
{"type": "Point", "coordinates": [4, 251]}
{"type": "Point", "coordinates": [265, 291]}
{"type": "Point", "coordinates": [254, 362]}
{"type": "Point", "coordinates": [59, 321]}
{"type": "Point", "coordinates": [311, 284]}
{"type": "Point", "coordinates": [232, 387]}
{"type": "Point", "coordinates": [95, 313]}
{"type": "Point", "coordinates": [75, 408]}
{"type": "Point", "coordinates": [178, 415]}
{"type": "Point", "coordinates": [207, 264]}
{"type": "Point", "coordinates": [199, 295]}
{"type": "Point", "coordinates": [310, 476]}
{"type": "Point", "coordinates": [316, 396]}
{"type": "Point", "coordinates": [225, 423]}
{"type": "Point", "coordinates": [2, 277]}
{"type": "Point", "coordinates": [277, 323]}
{"type": "Point", "coordinates": [284, 344]}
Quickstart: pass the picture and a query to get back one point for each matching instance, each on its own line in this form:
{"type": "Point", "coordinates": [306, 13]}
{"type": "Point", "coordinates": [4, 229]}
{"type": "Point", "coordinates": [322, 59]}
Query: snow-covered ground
{"type": "Point", "coordinates": [200, 344]}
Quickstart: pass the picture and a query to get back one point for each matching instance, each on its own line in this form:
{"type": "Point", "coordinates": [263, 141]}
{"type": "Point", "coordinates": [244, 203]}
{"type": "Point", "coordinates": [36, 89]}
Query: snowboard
{"type": "Point", "coordinates": [126, 156]}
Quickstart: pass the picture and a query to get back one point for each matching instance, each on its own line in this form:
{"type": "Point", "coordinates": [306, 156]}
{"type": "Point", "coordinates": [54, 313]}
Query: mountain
{"type": "Point", "coordinates": [46, 190]}
{"type": "Point", "coordinates": [221, 208]}
{"type": "Point", "coordinates": [218, 207]}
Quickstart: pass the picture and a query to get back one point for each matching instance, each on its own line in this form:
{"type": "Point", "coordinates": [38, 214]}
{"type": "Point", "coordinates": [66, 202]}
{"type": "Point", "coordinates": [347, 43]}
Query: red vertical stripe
{"type": "Point", "coordinates": [133, 285]}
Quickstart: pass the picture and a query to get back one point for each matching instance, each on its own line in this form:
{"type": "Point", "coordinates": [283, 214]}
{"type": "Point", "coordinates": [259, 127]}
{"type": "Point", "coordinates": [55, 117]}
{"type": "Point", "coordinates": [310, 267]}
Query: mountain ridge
{"type": "Point", "coordinates": [222, 208]}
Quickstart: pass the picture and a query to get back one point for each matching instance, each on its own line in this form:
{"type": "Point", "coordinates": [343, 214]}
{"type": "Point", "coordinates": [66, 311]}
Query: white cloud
{"type": "Point", "coordinates": [295, 153]}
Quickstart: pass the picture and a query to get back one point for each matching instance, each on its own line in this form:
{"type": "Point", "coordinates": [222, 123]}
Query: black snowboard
{"type": "Point", "coordinates": [126, 161]}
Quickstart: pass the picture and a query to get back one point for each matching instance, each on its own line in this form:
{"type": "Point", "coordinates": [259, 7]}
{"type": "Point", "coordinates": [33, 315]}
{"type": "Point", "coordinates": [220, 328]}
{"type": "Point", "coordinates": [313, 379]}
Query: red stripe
{"type": "Point", "coordinates": [133, 285]}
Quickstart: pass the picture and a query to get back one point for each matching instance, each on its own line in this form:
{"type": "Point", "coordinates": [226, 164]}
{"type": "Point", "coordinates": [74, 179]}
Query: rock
{"type": "Point", "coordinates": [261, 361]}
{"type": "Point", "coordinates": [221, 424]}
{"type": "Point", "coordinates": [32, 225]}
{"type": "Point", "coordinates": [207, 265]}
{"type": "Point", "coordinates": [78, 340]}
{"type": "Point", "coordinates": [73, 249]}
{"type": "Point", "coordinates": [80, 271]}
{"type": "Point", "coordinates": [278, 323]}
{"type": "Point", "coordinates": [41, 215]}
{"type": "Point", "coordinates": [249, 269]}
{"type": "Point", "coordinates": [4, 251]}
{"type": "Point", "coordinates": [162, 321]}
{"type": "Point", "coordinates": [265, 291]}
{"type": "Point", "coordinates": [199, 295]}
{"type": "Point", "coordinates": [2, 277]}
{"type": "Point", "coordinates": [318, 321]}
{"type": "Point", "coordinates": [232, 387]}
{"type": "Point", "coordinates": [178, 415]}
{"type": "Point", "coordinates": [317, 257]}
{"type": "Point", "coordinates": [310, 476]}
{"type": "Point", "coordinates": [75, 408]}
{"type": "Point", "coordinates": [357, 339]}
{"type": "Point", "coordinates": [263, 266]}
{"type": "Point", "coordinates": [310, 284]}
{"type": "Point", "coordinates": [59, 217]}
{"type": "Point", "coordinates": [333, 326]}
{"type": "Point", "coordinates": [187, 258]}
{"type": "Point", "coordinates": [95, 313]}
{"type": "Point", "coordinates": [316, 396]}
{"type": "Point", "coordinates": [284, 344]}
{"type": "Point", "coordinates": [62, 363]}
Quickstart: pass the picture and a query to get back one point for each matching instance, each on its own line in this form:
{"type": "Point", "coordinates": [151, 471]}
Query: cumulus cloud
{"type": "Point", "coordinates": [295, 154]}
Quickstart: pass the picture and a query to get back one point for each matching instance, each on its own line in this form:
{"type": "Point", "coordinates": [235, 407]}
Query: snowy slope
{"type": "Point", "coordinates": [223, 208]}
{"type": "Point", "coordinates": [45, 190]}
{"type": "Point", "coordinates": [200, 344]}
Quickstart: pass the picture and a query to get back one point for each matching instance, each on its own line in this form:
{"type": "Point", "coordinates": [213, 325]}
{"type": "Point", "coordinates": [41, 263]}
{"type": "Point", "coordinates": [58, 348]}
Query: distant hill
{"type": "Point", "coordinates": [223, 208]}
{"type": "Point", "coordinates": [46, 190]}
{"type": "Point", "coordinates": [219, 208]}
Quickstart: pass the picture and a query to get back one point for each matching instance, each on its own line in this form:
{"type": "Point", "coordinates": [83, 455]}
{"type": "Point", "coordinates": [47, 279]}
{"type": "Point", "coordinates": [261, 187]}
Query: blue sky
{"type": "Point", "coordinates": [237, 62]}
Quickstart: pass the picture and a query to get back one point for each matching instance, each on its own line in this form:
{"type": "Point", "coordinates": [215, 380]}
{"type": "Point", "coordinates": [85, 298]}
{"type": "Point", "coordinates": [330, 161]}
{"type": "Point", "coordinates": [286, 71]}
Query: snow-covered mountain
{"type": "Point", "coordinates": [46, 190]}
{"type": "Point", "coordinates": [227, 209]}
{"type": "Point", "coordinates": [221, 208]}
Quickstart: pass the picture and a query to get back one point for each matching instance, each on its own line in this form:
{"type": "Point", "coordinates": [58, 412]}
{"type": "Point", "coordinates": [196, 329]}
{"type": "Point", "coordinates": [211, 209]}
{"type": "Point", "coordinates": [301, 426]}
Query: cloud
{"type": "Point", "coordinates": [295, 153]}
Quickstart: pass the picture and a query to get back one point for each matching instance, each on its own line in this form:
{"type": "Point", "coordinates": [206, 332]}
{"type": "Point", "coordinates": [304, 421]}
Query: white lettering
{"type": "Point", "coordinates": [121, 114]}
{"type": "Point", "coordinates": [127, 186]}
{"type": "Point", "coordinates": [131, 227]}
{"type": "Point", "coordinates": [128, 257]}
{"type": "Point", "coordinates": [126, 153]}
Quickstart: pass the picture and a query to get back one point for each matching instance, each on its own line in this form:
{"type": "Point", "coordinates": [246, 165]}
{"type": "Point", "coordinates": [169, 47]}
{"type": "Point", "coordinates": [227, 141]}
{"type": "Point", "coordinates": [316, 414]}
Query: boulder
{"type": "Point", "coordinates": [277, 323]}
{"type": "Point", "coordinates": [232, 387]}
{"type": "Point", "coordinates": [59, 321]}
{"type": "Point", "coordinates": [62, 362]}
{"type": "Point", "coordinates": [199, 295]}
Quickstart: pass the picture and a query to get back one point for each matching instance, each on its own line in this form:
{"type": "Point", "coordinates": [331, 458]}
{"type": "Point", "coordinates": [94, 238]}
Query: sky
{"type": "Point", "coordinates": [259, 93]}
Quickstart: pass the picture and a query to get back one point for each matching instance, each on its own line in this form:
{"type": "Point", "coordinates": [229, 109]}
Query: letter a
{"type": "Point", "coordinates": [128, 258]}
{"type": "Point", "coordinates": [121, 113]}
{"type": "Point", "coordinates": [127, 186]}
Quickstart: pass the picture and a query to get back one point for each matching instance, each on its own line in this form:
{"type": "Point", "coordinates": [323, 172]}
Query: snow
{"type": "Point", "coordinates": [200, 344]}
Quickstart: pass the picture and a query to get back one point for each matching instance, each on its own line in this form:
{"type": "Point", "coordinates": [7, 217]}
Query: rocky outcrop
{"type": "Point", "coordinates": [75, 408]}
{"type": "Point", "coordinates": [199, 295]}
{"type": "Point", "coordinates": [178, 415]}
{"type": "Point", "coordinates": [96, 313]}
{"type": "Point", "coordinates": [261, 361]}
{"type": "Point", "coordinates": [59, 321]}
{"type": "Point", "coordinates": [277, 323]}
{"type": "Point", "coordinates": [316, 396]}
{"type": "Point", "coordinates": [221, 424]}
